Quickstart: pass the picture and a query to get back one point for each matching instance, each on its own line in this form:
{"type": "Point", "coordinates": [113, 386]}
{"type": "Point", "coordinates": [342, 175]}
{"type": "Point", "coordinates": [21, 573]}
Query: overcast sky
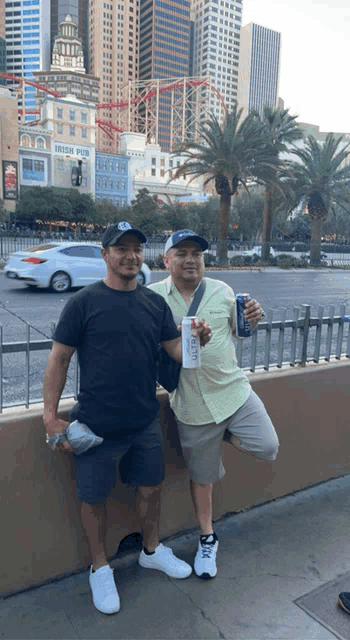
{"type": "Point", "coordinates": [314, 72]}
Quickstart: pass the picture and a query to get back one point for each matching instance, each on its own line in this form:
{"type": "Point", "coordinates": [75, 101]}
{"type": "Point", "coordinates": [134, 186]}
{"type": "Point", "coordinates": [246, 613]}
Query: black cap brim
{"type": "Point", "coordinates": [120, 234]}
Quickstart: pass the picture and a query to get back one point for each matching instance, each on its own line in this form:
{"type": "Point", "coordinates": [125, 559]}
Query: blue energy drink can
{"type": "Point", "coordinates": [243, 327]}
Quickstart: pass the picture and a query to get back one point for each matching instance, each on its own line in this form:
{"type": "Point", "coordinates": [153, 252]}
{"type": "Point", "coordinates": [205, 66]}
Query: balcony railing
{"type": "Point", "coordinates": [276, 344]}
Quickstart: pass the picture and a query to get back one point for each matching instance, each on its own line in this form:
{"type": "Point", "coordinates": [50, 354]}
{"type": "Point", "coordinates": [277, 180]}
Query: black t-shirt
{"type": "Point", "coordinates": [116, 334]}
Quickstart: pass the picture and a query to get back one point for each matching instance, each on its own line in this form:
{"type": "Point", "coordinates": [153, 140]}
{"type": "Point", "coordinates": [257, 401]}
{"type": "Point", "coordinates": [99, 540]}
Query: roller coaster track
{"type": "Point", "coordinates": [102, 124]}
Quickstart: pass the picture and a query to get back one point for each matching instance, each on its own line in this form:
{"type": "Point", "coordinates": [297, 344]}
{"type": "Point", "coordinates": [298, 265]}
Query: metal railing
{"type": "Point", "coordinates": [248, 253]}
{"type": "Point", "coordinates": [276, 344]}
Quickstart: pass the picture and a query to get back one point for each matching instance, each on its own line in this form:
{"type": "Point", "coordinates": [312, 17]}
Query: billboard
{"type": "Point", "coordinates": [10, 180]}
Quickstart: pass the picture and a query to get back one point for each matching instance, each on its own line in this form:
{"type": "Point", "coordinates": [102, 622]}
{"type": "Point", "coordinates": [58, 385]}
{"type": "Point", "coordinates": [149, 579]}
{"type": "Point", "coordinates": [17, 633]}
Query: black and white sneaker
{"type": "Point", "coordinates": [205, 560]}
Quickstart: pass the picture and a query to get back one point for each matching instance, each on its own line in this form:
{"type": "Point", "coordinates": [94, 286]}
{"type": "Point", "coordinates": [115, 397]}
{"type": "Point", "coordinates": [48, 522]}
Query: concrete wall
{"type": "Point", "coordinates": [41, 535]}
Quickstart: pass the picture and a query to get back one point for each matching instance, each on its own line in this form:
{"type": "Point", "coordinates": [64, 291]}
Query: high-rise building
{"type": "Point", "coordinates": [2, 42]}
{"type": "Point", "coordinates": [78, 9]}
{"type": "Point", "coordinates": [259, 68]}
{"type": "Point", "coordinates": [67, 75]}
{"type": "Point", "coordinates": [27, 44]}
{"type": "Point", "coordinates": [216, 46]}
{"type": "Point", "coordinates": [164, 39]}
{"type": "Point", "coordinates": [164, 51]}
{"type": "Point", "coordinates": [113, 50]}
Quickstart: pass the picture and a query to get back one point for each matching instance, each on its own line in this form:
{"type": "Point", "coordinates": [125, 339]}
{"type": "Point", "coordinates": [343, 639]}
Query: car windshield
{"type": "Point", "coordinates": [42, 247]}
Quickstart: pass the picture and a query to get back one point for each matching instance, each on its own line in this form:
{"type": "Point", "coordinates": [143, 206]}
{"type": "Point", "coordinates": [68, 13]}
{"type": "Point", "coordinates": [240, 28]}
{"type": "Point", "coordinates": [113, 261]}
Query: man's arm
{"type": "Point", "coordinates": [54, 381]}
{"type": "Point", "coordinates": [174, 347]}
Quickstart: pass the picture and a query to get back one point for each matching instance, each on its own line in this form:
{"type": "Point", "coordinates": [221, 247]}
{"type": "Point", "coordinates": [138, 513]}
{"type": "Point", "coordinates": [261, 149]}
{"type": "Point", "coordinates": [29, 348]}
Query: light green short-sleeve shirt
{"type": "Point", "coordinates": [219, 387]}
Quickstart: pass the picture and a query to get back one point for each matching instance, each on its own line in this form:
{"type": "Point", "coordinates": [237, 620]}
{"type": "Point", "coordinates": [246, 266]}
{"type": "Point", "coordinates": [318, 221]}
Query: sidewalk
{"type": "Point", "coordinates": [268, 558]}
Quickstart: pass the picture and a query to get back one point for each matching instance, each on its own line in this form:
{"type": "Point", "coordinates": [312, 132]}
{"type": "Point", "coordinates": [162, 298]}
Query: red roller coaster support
{"type": "Point", "coordinates": [9, 76]}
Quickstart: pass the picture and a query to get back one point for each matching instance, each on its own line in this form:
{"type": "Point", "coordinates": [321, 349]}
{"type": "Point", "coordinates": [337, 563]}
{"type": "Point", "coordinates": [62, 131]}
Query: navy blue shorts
{"type": "Point", "coordinates": [140, 459]}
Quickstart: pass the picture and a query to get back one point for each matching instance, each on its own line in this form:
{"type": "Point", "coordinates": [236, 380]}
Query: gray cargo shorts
{"type": "Point", "coordinates": [202, 445]}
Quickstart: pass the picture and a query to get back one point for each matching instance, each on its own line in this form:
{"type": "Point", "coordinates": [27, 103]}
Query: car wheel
{"type": "Point", "coordinates": [60, 282]}
{"type": "Point", "coordinates": [141, 278]}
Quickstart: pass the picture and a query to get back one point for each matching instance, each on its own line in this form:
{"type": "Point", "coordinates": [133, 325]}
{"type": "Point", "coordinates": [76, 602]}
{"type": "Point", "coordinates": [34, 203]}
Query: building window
{"type": "Point", "coordinates": [72, 115]}
{"type": "Point", "coordinates": [60, 164]}
{"type": "Point", "coordinates": [98, 183]}
{"type": "Point", "coordinates": [154, 161]}
{"type": "Point", "coordinates": [117, 166]}
{"type": "Point", "coordinates": [84, 132]}
{"type": "Point", "coordinates": [60, 113]}
{"type": "Point", "coordinates": [84, 117]}
{"type": "Point", "coordinates": [111, 165]}
{"type": "Point", "coordinates": [123, 185]}
{"type": "Point", "coordinates": [72, 130]}
{"type": "Point", "coordinates": [40, 143]}
{"type": "Point", "coordinates": [117, 185]}
{"type": "Point", "coordinates": [27, 164]}
{"type": "Point", "coordinates": [98, 163]}
{"type": "Point", "coordinates": [59, 127]}
{"type": "Point", "coordinates": [153, 172]}
{"type": "Point", "coordinates": [25, 141]}
{"type": "Point", "coordinates": [123, 167]}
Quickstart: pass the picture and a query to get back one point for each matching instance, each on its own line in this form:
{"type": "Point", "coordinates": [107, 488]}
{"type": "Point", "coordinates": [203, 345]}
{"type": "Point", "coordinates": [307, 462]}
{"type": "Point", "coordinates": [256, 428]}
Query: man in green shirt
{"type": "Point", "coordinates": [216, 401]}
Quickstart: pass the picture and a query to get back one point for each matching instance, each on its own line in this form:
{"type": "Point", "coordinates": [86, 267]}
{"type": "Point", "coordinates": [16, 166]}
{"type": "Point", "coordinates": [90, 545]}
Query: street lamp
{"type": "Point", "coordinates": [76, 175]}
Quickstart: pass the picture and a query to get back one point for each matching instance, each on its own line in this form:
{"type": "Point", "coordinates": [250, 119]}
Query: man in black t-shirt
{"type": "Point", "coordinates": [116, 326]}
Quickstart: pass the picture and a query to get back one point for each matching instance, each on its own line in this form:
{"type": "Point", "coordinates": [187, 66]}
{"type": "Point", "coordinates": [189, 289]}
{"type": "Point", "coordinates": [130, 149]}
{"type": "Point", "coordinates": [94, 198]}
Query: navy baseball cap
{"type": "Point", "coordinates": [113, 234]}
{"type": "Point", "coordinates": [181, 236]}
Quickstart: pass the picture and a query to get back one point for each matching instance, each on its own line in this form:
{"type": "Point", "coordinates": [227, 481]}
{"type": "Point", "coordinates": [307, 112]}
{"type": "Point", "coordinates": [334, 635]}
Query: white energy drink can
{"type": "Point", "coordinates": [191, 354]}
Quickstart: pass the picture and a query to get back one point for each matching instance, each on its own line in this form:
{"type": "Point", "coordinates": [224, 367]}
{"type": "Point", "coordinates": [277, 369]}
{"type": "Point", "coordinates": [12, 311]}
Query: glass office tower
{"type": "Point", "coordinates": [27, 44]}
{"type": "Point", "coordinates": [164, 50]}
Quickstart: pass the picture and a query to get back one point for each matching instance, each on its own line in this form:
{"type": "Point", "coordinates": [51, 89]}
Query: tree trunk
{"type": "Point", "coordinates": [316, 234]}
{"type": "Point", "coordinates": [267, 227]}
{"type": "Point", "coordinates": [224, 215]}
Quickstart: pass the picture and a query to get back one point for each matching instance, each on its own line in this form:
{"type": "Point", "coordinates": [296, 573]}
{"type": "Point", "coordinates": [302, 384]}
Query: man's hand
{"type": "Point", "coordinates": [253, 313]}
{"type": "Point", "coordinates": [55, 427]}
{"type": "Point", "coordinates": [203, 330]}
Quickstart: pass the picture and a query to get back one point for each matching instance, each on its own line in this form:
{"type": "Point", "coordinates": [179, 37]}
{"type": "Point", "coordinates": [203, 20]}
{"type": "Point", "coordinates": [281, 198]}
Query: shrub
{"type": "Point", "coordinates": [155, 263]}
{"type": "Point", "coordinates": [243, 261]}
{"type": "Point", "coordinates": [285, 261]}
{"type": "Point", "coordinates": [209, 259]}
{"type": "Point", "coordinates": [237, 261]}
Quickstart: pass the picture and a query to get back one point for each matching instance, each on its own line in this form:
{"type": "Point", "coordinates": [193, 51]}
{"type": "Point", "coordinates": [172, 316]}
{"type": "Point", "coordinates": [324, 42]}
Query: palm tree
{"type": "Point", "coordinates": [282, 130]}
{"type": "Point", "coordinates": [322, 179]}
{"type": "Point", "coordinates": [235, 153]}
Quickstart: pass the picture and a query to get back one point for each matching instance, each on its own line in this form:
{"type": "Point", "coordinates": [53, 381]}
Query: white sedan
{"type": "Point", "coordinates": [62, 265]}
{"type": "Point", "coordinates": [256, 251]}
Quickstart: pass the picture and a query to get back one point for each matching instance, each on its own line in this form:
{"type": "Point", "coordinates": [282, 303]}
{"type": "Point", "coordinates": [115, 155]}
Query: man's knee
{"type": "Point", "coordinates": [269, 451]}
{"type": "Point", "coordinates": [266, 449]}
{"type": "Point", "coordinates": [202, 485]}
{"type": "Point", "coordinates": [150, 492]}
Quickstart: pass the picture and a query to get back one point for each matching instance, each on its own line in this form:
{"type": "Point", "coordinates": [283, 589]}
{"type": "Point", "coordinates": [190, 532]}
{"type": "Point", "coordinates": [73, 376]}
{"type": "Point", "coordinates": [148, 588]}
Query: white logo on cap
{"type": "Point", "coordinates": [186, 233]}
{"type": "Point", "coordinates": [123, 226]}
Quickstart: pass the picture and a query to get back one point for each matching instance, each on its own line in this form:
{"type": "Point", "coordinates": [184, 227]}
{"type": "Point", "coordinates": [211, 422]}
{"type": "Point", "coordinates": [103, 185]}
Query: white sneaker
{"type": "Point", "coordinates": [163, 559]}
{"type": "Point", "coordinates": [205, 560]}
{"type": "Point", "coordinates": [104, 592]}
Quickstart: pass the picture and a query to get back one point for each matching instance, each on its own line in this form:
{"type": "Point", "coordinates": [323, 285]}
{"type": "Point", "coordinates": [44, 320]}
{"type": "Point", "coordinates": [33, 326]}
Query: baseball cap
{"type": "Point", "coordinates": [181, 236]}
{"type": "Point", "coordinates": [113, 234]}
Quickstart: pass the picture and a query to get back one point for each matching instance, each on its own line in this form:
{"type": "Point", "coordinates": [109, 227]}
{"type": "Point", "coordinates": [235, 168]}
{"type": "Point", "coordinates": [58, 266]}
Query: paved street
{"type": "Point", "coordinates": [274, 288]}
